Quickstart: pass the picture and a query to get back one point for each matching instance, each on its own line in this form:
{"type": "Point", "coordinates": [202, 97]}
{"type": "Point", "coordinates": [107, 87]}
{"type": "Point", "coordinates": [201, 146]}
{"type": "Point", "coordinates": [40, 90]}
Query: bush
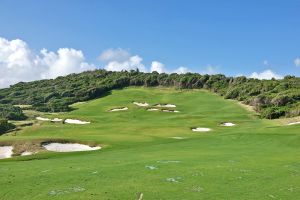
{"type": "Point", "coordinates": [11, 112]}
{"type": "Point", "coordinates": [5, 126]}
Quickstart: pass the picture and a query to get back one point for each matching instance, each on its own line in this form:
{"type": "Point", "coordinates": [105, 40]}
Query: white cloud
{"type": "Point", "coordinates": [118, 54]}
{"type": "Point", "coordinates": [19, 63]}
{"type": "Point", "coordinates": [267, 74]}
{"type": "Point", "coordinates": [181, 70]}
{"type": "Point", "coordinates": [64, 62]}
{"type": "Point", "coordinates": [133, 63]}
{"type": "Point", "coordinates": [158, 67]}
{"type": "Point", "coordinates": [120, 59]}
{"type": "Point", "coordinates": [297, 62]}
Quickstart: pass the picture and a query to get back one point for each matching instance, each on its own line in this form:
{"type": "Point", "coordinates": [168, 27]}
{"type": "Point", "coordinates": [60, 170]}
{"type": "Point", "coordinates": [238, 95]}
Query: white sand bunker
{"type": "Point", "coordinates": [293, 123]}
{"type": "Point", "coordinates": [165, 105]}
{"type": "Point", "coordinates": [6, 152]}
{"type": "Point", "coordinates": [56, 120]}
{"type": "Point", "coordinates": [141, 104]}
{"type": "Point", "coordinates": [26, 153]}
{"type": "Point", "coordinates": [227, 124]}
{"type": "Point", "coordinates": [69, 147]}
{"type": "Point", "coordinates": [175, 111]}
{"type": "Point", "coordinates": [76, 121]}
{"type": "Point", "coordinates": [119, 109]}
{"type": "Point", "coordinates": [200, 129]}
{"type": "Point", "coordinates": [152, 109]}
{"type": "Point", "coordinates": [178, 138]}
{"type": "Point", "coordinates": [42, 119]}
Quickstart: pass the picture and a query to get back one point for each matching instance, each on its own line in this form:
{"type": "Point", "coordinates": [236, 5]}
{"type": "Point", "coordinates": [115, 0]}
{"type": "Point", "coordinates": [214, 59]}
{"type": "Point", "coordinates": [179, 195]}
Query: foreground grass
{"type": "Point", "coordinates": [257, 159]}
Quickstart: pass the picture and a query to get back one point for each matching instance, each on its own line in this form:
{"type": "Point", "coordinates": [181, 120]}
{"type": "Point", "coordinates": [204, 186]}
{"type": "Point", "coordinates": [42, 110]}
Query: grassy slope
{"type": "Point", "coordinates": [257, 159]}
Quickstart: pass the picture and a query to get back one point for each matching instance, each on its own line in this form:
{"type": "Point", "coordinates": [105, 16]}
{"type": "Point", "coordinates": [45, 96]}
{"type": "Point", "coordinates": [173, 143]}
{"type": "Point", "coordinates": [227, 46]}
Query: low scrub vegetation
{"type": "Point", "coordinates": [5, 126]}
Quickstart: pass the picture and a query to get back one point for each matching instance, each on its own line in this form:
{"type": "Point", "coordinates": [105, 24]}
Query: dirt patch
{"type": "Point", "coordinates": [151, 167]}
{"type": "Point", "coordinates": [66, 191]}
{"type": "Point", "coordinates": [20, 146]}
{"type": "Point", "coordinates": [174, 180]}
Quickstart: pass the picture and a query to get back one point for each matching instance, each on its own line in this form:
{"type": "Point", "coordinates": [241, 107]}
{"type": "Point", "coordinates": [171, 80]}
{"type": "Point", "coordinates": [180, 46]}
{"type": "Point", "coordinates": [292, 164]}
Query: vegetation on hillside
{"type": "Point", "coordinates": [272, 98]}
{"type": "Point", "coordinates": [5, 126]}
{"type": "Point", "coordinates": [11, 112]}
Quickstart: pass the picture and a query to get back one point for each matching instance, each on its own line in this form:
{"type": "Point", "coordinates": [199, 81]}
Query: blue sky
{"type": "Point", "coordinates": [231, 37]}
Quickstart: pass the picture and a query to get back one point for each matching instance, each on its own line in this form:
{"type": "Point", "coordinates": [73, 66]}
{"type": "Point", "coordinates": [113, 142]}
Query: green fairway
{"type": "Point", "coordinates": [256, 159]}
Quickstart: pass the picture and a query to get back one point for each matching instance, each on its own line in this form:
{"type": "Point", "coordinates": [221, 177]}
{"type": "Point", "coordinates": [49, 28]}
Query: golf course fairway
{"type": "Point", "coordinates": [155, 154]}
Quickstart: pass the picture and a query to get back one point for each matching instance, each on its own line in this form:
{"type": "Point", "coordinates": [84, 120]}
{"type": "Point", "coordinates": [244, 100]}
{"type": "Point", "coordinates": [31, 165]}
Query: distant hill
{"type": "Point", "coordinates": [271, 98]}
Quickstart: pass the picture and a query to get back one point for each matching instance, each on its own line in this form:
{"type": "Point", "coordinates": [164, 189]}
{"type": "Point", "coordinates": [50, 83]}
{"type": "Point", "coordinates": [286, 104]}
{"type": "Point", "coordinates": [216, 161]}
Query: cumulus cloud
{"type": "Point", "coordinates": [181, 70]}
{"type": "Point", "coordinates": [297, 62]}
{"type": "Point", "coordinates": [19, 63]}
{"type": "Point", "coordinates": [64, 62]}
{"type": "Point", "coordinates": [120, 59]}
{"type": "Point", "coordinates": [158, 67]}
{"type": "Point", "coordinates": [267, 74]}
{"type": "Point", "coordinates": [118, 54]}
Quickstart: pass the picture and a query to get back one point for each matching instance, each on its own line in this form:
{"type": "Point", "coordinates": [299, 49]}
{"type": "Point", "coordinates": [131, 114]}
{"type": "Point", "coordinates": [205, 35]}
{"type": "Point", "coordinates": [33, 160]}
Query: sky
{"type": "Point", "coordinates": [50, 38]}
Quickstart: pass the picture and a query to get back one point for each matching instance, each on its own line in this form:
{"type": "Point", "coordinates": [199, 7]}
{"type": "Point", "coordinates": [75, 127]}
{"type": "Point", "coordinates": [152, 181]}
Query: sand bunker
{"type": "Point", "coordinates": [76, 121]}
{"type": "Point", "coordinates": [227, 124]}
{"type": "Point", "coordinates": [141, 104]}
{"type": "Point", "coordinates": [56, 120]}
{"type": "Point", "coordinates": [42, 119]}
{"type": "Point", "coordinates": [6, 152]}
{"type": "Point", "coordinates": [26, 153]}
{"type": "Point", "coordinates": [118, 109]}
{"type": "Point", "coordinates": [68, 147]}
{"type": "Point", "coordinates": [152, 109]}
{"type": "Point", "coordinates": [165, 105]}
{"type": "Point", "coordinates": [293, 123]}
{"type": "Point", "coordinates": [178, 138]}
{"type": "Point", "coordinates": [199, 129]}
{"type": "Point", "coordinates": [175, 111]}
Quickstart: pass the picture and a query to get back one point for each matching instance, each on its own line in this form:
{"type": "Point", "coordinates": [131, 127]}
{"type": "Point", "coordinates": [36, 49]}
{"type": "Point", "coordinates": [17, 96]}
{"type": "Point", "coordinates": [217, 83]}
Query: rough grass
{"type": "Point", "coordinates": [256, 159]}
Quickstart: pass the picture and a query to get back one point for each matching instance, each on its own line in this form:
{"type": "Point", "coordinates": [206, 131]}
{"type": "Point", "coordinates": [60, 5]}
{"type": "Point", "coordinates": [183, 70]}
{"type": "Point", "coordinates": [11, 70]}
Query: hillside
{"type": "Point", "coordinates": [156, 153]}
{"type": "Point", "coordinates": [271, 98]}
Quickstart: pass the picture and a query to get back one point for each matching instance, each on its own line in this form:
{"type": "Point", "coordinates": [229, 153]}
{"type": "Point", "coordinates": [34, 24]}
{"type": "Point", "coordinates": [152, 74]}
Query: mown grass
{"type": "Point", "coordinates": [257, 159]}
